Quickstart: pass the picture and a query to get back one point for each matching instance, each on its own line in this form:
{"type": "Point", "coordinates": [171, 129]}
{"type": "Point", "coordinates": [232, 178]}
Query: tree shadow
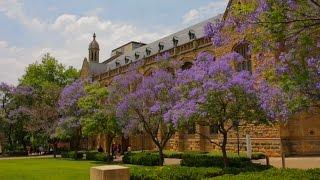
{"type": "Point", "coordinates": [246, 167]}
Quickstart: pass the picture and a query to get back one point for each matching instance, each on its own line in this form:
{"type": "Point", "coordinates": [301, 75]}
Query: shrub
{"type": "Point", "coordinates": [103, 157]}
{"type": "Point", "coordinates": [172, 173]}
{"type": "Point", "coordinates": [274, 173]}
{"type": "Point", "coordinates": [179, 155]}
{"type": "Point", "coordinates": [145, 159]}
{"type": "Point", "coordinates": [72, 155]}
{"type": "Point", "coordinates": [199, 160]}
{"type": "Point", "coordinates": [65, 154]}
{"type": "Point", "coordinates": [258, 156]}
{"type": "Point", "coordinates": [17, 153]}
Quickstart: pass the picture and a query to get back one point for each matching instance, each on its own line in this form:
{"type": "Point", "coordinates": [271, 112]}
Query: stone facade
{"type": "Point", "coordinates": [298, 136]}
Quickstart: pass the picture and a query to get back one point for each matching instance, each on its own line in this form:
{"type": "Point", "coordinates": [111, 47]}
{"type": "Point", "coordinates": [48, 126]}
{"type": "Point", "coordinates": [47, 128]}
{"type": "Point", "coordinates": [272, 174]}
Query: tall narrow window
{"type": "Point", "coordinates": [192, 35]}
{"type": "Point", "coordinates": [148, 51]}
{"type": "Point", "coordinates": [136, 55]}
{"type": "Point", "coordinates": [191, 128]}
{"type": "Point", "coordinates": [175, 41]}
{"type": "Point", "coordinates": [126, 59]}
{"type": "Point", "coordinates": [161, 46]}
{"type": "Point", "coordinates": [117, 64]}
{"type": "Point", "coordinates": [214, 129]}
{"type": "Point", "coordinates": [243, 49]}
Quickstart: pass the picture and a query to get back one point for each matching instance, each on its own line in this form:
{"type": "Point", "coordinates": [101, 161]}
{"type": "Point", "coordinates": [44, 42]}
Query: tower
{"type": "Point", "coordinates": [94, 50]}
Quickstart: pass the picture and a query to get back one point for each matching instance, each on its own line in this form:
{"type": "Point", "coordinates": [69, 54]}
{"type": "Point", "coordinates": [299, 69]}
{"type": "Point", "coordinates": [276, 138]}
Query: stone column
{"type": "Point", "coordinates": [199, 139]}
{"type": "Point", "coordinates": [178, 141]}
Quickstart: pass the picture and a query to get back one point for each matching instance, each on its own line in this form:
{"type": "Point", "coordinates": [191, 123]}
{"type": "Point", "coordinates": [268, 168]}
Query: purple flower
{"type": "Point", "coordinates": [292, 4]}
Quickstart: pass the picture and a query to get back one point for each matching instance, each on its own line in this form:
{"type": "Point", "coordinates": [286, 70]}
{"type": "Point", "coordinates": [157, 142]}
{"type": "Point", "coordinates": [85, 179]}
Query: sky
{"type": "Point", "coordinates": [31, 28]}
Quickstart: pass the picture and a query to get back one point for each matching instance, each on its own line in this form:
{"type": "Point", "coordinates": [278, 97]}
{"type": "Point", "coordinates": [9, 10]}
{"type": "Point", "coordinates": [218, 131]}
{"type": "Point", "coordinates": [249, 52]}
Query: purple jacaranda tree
{"type": "Point", "coordinates": [288, 30]}
{"type": "Point", "coordinates": [16, 112]}
{"type": "Point", "coordinates": [214, 93]}
{"type": "Point", "coordinates": [145, 104]}
{"type": "Point", "coordinates": [70, 124]}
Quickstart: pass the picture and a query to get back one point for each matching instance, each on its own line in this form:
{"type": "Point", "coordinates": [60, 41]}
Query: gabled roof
{"type": "Point", "coordinates": [182, 36]}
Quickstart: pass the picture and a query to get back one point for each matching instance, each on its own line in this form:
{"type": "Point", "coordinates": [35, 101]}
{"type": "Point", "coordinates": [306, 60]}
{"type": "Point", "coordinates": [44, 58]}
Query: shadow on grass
{"type": "Point", "coordinates": [246, 167]}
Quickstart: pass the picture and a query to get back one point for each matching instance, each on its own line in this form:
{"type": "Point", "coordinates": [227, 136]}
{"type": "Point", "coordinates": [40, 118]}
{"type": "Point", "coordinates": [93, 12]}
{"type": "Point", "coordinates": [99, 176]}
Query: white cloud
{"type": "Point", "coordinates": [13, 9]}
{"type": "Point", "coordinates": [211, 9]}
{"type": "Point", "coordinates": [66, 38]}
{"type": "Point", "coordinates": [94, 12]}
{"type": "Point", "coordinates": [191, 15]}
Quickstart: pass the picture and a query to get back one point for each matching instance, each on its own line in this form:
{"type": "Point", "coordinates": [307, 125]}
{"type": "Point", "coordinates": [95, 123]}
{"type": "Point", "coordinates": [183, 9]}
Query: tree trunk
{"type": "Point", "coordinates": [108, 145]}
{"type": "Point", "coordinates": [161, 157]}
{"type": "Point", "coordinates": [54, 149]}
{"type": "Point", "coordinates": [77, 145]}
{"type": "Point", "coordinates": [223, 149]}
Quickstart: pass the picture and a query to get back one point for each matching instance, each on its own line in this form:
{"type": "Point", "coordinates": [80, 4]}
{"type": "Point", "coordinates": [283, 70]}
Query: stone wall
{"type": "Point", "coordinates": [301, 134]}
{"type": "Point", "coordinates": [264, 139]}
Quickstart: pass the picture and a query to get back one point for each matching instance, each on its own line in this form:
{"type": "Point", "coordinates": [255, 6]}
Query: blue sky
{"type": "Point", "coordinates": [31, 28]}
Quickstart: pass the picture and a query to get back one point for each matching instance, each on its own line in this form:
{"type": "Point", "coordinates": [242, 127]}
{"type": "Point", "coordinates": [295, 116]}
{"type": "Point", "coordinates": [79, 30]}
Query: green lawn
{"type": "Point", "coordinates": [45, 169]}
{"type": "Point", "coordinates": [64, 169]}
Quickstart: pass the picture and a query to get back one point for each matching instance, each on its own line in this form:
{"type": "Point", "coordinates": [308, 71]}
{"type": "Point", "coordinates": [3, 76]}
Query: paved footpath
{"type": "Point", "coordinates": [28, 157]}
{"type": "Point", "coordinates": [293, 162]}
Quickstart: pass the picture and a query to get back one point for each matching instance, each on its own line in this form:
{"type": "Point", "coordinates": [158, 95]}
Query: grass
{"type": "Point", "coordinates": [63, 169]}
{"type": "Point", "coordinates": [45, 169]}
{"type": "Point", "coordinates": [274, 174]}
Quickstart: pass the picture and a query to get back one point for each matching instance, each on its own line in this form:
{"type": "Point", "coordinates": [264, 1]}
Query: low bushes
{"type": "Point", "coordinates": [72, 155]}
{"type": "Point", "coordinates": [16, 153]}
{"type": "Point", "coordinates": [200, 160]}
{"type": "Point", "coordinates": [179, 155]}
{"type": "Point", "coordinates": [90, 155]}
{"type": "Point", "coordinates": [145, 159]}
{"type": "Point", "coordinates": [273, 173]}
{"type": "Point", "coordinates": [98, 156]}
{"type": "Point", "coordinates": [172, 173]}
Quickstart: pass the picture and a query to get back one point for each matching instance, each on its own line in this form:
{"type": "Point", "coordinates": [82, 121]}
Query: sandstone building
{"type": "Point", "coordinates": [300, 136]}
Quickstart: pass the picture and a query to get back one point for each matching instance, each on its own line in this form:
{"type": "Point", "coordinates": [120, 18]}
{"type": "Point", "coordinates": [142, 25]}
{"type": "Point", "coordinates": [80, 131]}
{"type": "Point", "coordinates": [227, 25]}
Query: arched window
{"type": "Point", "coordinates": [191, 128]}
{"type": "Point", "coordinates": [186, 65]}
{"type": "Point", "coordinates": [243, 49]}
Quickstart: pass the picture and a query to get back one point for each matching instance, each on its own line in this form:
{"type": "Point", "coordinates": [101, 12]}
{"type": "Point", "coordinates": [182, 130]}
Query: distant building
{"type": "Point", "coordinates": [300, 136]}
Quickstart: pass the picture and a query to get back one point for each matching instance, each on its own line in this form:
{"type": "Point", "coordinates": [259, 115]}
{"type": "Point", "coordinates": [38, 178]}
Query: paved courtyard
{"type": "Point", "coordinates": [293, 162]}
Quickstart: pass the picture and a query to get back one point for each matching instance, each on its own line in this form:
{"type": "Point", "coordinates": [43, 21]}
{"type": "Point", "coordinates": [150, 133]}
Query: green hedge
{"type": "Point", "coordinates": [180, 155]}
{"type": "Point", "coordinates": [274, 174]}
{"type": "Point", "coordinates": [145, 159]}
{"type": "Point", "coordinates": [98, 156]}
{"type": "Point", "coordinates": [72, 155]}
{"type": "Point", "coordinates": [200, 160]}
{"type": "Point", "coordinates": [16, 153]}
{"type": "Point", "coordinates": [172, 173]}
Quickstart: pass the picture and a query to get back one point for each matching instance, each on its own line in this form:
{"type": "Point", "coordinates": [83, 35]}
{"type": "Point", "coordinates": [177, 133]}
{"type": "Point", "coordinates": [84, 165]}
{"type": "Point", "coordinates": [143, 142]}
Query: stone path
{"type": "Point", "coordinates": [28, 157]}
{"type": "Point", "coordinates": [293, 162]}
{"type": "Point", "coordinates": [171, 161]}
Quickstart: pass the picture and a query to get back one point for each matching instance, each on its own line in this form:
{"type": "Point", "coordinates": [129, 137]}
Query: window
{"type": "Point", "coordinates": [192, 35]}
{"type": "Point", "coordinates": [243, 49]}
{"type": "Point", "coordinates": [126, 59]}
{"type": "Point", "coordinates": [148, 51]}
{"type": "Point", "coordinates": [214, 129]}
{"type": "Point", "coordinates": [175, 41]}
{"type": "Point", "coordinates": [186, 65]}
{"type": "Point", "coordinates": [136, 55]}
{"type": "Point", "coordinates": [191, 128]}
{"type": "Point", "coordinates": [161, 46]}
{"type": "Point", "coordinates": [117, 64]}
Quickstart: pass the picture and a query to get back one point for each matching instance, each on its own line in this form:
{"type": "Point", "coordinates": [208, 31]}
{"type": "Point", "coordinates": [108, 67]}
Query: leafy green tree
{"type": "Point", "coordinates": [31, 113]}
{"type": "Point", "coordinates": [99, 117]}
{"type": "Point", "coordinates": [48, 71]}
